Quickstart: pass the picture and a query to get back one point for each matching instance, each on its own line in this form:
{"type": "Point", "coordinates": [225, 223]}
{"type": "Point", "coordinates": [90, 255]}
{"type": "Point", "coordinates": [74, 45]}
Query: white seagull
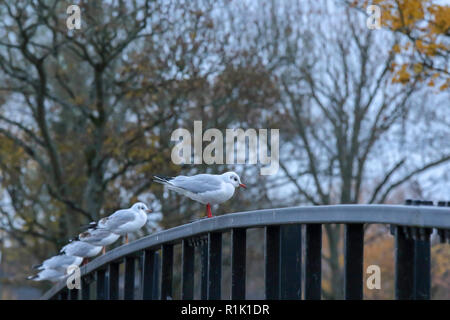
{"type": "Point", "coordinates": [59, 262]}
{"type": "Point", "coordinates": [81, 249]}
{"type": "Point", "coordinates": [98, 237]}
{"type": "Point", "coordinates": [48, 274]}
{"type": "Point", "coordinates": [124, 221]}
{"type": "Point", "coordinates": [208, 189]}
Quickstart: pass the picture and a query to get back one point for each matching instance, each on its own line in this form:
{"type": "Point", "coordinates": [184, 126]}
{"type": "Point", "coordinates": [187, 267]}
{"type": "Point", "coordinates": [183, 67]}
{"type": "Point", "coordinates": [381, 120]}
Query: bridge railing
{"type": "Point", "coordinates": [411, 225]}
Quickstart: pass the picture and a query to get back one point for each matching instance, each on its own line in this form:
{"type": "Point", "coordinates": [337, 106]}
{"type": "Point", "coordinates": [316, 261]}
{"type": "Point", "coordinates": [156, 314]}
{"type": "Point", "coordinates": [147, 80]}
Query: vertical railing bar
{"type": "Point", "coordinates": [101, 285]}
{"type": "Point", "coordinates": [272, 262]}
{"type": "Point", "coordinates": [130, 266]}
{"type": "Point", "coordinates": [214, 265]}
{"type": "Point", "coordinates": [148, 274]}
{"type": "Point", "coordinates": [313, 262]}
{"type": "Point", "coordinates": [85, 288]}
{"type": "Point", "coordinates": [187, 281]}
{"type": "Point", "coordinates": [140, 269]}
{"type": "Point", "coordinates": [63, 295]}
{"type": "Point", "coordinates": [167, 272]}
{"type": "Point", "coordinates": [238, 263]}
{"type": "Point", "coordinates": [73, 294]}
{"type": "Point", "coordinates": [353, 261]}
{"type": "Point", "coordinates": [406, 260]}
{"type": "Point", "coordinates": [422, 262]}
{"type": "Point", "coordinates": [113, 278]}
{"type": "Point", "coordinates": [291, 262]}
{"type": "Point", "coordinates": [404, 265]}
{"type": "Point", "coordinates": [157, 267]}
{"type": "Point", "coordinates": [422, 268]}
{"type": "Point", "coordinates": [204, 271]}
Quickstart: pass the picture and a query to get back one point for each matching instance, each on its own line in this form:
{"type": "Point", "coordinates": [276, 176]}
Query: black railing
{"type": "Point", "coordinates": [411, 225]}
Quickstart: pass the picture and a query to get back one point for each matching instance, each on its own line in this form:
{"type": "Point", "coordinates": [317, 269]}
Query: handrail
{"type": "Point", "coordinates": [412, 216]}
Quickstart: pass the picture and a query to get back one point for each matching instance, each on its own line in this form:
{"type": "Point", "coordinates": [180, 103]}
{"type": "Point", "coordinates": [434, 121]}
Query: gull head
{"type": "Point", "coordinates": [139, 206]}
{"type": "Point", "coordinates": [233, 178]}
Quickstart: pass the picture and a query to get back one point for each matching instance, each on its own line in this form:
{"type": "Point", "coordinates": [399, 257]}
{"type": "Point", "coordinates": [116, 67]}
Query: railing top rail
{"type": "Point", "coordinates": [418, 216]}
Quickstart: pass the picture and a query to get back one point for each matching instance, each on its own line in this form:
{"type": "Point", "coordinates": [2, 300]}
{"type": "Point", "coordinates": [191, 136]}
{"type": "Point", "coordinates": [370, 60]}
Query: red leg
{"type": "Point", "coordinates": [208, 210]}
{"type": "Point", "coordinates": [126, 238]}
{"type": "Point", "coordinates": [104, 250]}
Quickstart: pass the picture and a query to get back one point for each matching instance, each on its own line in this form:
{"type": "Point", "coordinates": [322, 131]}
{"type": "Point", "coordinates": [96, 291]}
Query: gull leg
{"type": "Point", "coordinates": [126, 238]}
{"type": "Point", "coordinates": [208, 211]}
{"type": "Point", "coordinates": [104, 250]}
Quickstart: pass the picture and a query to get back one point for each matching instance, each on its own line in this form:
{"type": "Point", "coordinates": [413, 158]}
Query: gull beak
{"type": "Point", "coordinates": [243, 185]}
{"type": "Point", "coordinates": [148, 211]}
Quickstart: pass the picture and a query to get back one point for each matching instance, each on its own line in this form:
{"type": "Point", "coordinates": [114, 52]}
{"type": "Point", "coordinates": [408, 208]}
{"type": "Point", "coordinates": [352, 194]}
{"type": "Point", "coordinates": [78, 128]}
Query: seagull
{"type": "Point", "coordinates": [98, 237]}
{"type": "Point", "coordinates": [81, 249]}
{"type": "Point", "coordinates": [124, 221]}
{"type": "Point", "coordinates": [48, 274]}
{"type": "Point", "coordinates": [207, 189]}
{"type": "Point", "coordinates": [59, 262]}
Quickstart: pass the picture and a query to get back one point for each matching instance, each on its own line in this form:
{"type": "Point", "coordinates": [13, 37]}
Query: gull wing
{"type": "Point", "coordinates": [200, 183]}
{"type": "Point", "coordinates": [119, 218]}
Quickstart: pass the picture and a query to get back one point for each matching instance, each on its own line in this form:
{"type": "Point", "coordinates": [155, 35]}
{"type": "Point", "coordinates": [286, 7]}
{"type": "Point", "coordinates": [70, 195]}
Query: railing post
{"type": "Point", "coordinates": [238, 263]}
{"type": "Point", "coordinates": [413, 260]}
{"type": "Point", "coordinates": [214, 265]}
{"type": "Point", "coordinates": [272, 263]}
{"type": "Point", "coordinates": [101, 285]}
{"type": "Point", "coordinates": [85, 288]}
{"type": "Point", "coordinates": [130, 266]}
{"type": "Point", "coordinates": [313, 263]}
{"type": "Point", "coordinates": [113, 278]}
{"type": "Point", "coordinates": [404, 264]}
{"type": "Point", "coordinates": [148, 277]}
{"type": "Point", "coordinates": [73, 294]}
{"type": "Point", "coordinates": [187, 282]}
{"type": "Point", "coordinates": [204, 271]}
{"type": "Point", "coordinates": [353, 264]}
{"type": "Point", "coordinates": [167, 272]}
{"type": "Point", "coordinates": [63, 294]}
{"type": "Point", "coordinates": [291, 262]}
{"type": "Point", "coordinates": [422, 262]}
{"type": "Point", "coordinates": [156, 273]}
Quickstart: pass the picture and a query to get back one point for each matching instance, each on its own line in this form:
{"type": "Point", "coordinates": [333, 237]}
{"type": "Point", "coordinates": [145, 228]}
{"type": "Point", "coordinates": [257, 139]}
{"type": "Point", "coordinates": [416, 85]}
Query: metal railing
{"type": "Point", "coordinates": [411, 225]}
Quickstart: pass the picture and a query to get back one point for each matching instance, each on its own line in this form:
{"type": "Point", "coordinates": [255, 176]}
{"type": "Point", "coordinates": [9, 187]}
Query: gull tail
{"type": "Point", "coordinates": [33, 277]}
{"type": "Point", "coordinates": [162, 179]}
{"type": "Point", "coordinates": [91, 225]}
{"type": "Point", "coordinates": [37, 266]}
{"type": "Point", "coordinates": [77, 238]}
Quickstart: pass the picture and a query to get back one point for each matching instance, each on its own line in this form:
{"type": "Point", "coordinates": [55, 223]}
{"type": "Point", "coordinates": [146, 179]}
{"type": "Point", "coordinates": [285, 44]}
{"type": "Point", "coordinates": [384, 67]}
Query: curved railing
{"type": "Point", "coordinates": [411, 225]}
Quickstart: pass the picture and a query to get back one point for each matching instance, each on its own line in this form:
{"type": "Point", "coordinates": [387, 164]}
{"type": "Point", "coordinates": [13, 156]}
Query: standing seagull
{"type": "Point", "coordinates": [98, 237]}
{"type": "Point", "coordinates": [59, 262]}
{"type": "Point", "coordinates": [208, 189]}
{"type": "Point", "coordinates": [81, 249]}
{"type": "Point", "coordinates": [124, 221]}
{"type": "Point", "coordinates": [48, 274]}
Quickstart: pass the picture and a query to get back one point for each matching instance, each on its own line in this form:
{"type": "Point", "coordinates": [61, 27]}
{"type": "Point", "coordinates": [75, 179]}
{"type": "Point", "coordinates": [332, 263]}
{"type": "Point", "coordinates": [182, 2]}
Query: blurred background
{"type": "Point", "coordinates": [86, 117]}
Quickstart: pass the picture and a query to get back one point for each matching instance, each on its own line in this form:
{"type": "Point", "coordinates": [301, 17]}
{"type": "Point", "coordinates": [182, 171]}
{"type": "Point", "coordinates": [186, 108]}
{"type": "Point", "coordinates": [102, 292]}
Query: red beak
{"type": "Point", "coordinates": [243, 185]}
{"type": "Point", "coordinates": [149, 211]}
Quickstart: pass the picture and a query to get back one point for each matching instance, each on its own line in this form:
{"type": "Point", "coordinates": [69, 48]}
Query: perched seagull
{"type": "Point", "coordinates": [208, 189]}
{"type": "Point", "coordinates": [59, 262]}
{"type": "Point", "coordinates": [98, 237]}
{"type": "Point", "coordinates": [124, 221]}
{"type": "Point", "coordinates": [48, 274]}
{"type": "Point", "coordinates": [81, 249]}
